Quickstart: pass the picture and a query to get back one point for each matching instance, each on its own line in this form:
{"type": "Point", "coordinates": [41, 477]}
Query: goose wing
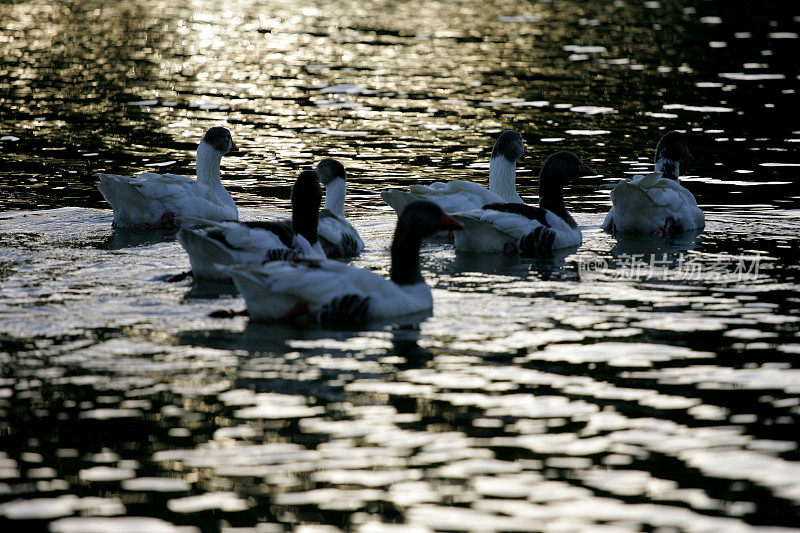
{"type": "Point", "coordinates": [644, 202]}
{"type": "Point", "coordinates": [453, 196]}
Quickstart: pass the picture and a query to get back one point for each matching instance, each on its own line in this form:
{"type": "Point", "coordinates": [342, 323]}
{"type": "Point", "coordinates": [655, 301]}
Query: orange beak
{"type": "Point", "coordinates": [585, 170]}
{"type": "Point", "coordinates": [449, 222]}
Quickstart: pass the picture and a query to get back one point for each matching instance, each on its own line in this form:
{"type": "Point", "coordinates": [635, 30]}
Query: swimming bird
{"type": "Point", "coordinates": [656, 203]}
{"type": "Point", "coordinates": [153, 200]}
{"type": "Point", "coordinates": [512, 227]}
{"type": "Point", "coordinates": [231, 243]}
{"type": "Point", "coordinates": [339, 238]}
{"type": "Point", "coordinates": [453, 196]}
{"type": "Point", "coordinates": [330, 291]}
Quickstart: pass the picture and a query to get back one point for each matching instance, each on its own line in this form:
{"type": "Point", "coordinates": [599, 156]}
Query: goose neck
{"type": "Point", "coordinates": [669, 168]}
{"type": "Point", "coordinates": [405, 258]}
{"type": "Point", "coordinates": [551, 197]}
{"type": "Point", "coordinates": [503, 178]}
{"type": "Point", "coordinates": [208, 160]}
{"type": "Point", "coordinates": [304, 221]}
{"type": "Point", "coordinates": [335, 192]}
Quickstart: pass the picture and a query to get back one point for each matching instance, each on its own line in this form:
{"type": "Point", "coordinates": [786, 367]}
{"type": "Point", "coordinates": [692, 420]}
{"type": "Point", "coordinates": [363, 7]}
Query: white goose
{"type": "Point", "coordinates": [330, 291]}
{"type": "Point", "coordinates": [518, 228]}
{"type": "Point", "coordinates": [455, 196]}
{"type": "Point", "coordinates": [154, 200]}
{"type": "Point", "coordinates": [231, 243]}
{"type": "Point", "coordinates": [339, 238]}
{"type": "Point", "coordinates": [656, 203]}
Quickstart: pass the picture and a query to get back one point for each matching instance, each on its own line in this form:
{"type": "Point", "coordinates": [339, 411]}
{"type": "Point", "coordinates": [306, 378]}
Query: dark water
{"type": "Point", "coordinates": [631, 385]}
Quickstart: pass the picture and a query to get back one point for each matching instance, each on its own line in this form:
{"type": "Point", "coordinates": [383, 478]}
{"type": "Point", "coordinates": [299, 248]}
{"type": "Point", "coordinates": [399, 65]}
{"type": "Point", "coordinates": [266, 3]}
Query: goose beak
{"type": "Point", "coordinates": [689, 155]}
{"type": "Point", "coordinates": [449, 222]}
{"type": "Point", "coordinates": [234, 148]}
{"type": "Point", "coordinates": [585, 170]}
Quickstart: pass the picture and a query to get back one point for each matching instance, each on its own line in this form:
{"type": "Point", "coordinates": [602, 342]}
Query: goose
{"type": "Point", "coordinates": [656, 203]}
{"type": "Point", "coordinates": [511, 227]}
{"type": "Point", "coordinates": [331, 291]}
{"type": "Point", "coordinates": [453, 196]}
{"type": "Point", "coordinates": [152, 200]}
{"type": "Point", "coordinates": [339, 238]}
{"type": "Point", "coordinates": [230, 243]}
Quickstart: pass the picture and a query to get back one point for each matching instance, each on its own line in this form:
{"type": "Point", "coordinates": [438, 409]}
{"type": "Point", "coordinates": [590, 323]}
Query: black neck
{"type": "Point", "coordinates": [551, 197]}
{"type": "Point", "coordinates": [405, 258]}
{"type": "Point", "coordinates": [305, 220]}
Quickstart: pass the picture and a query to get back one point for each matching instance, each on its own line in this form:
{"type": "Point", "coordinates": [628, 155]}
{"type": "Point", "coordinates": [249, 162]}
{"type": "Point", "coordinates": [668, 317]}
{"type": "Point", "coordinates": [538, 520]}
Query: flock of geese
{"type": "Point", "coordinates": [283, 267]}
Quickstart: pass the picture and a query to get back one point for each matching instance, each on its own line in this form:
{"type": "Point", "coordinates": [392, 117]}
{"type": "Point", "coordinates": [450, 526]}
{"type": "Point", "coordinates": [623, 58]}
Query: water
{"type": "Point", "coordinates": [630, 385]}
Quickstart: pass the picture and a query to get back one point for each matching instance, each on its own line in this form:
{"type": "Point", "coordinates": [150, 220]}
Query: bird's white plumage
{"type": "Point", "coordinates": [242, 244]}
{"type": "Point", "coordinates": [643, 203]}
{"type": "Point", "coordinates": [460, 195]}
{"type": "Point", "coordinates": [339, 238]}
{"type": "Point", "coordinates": [455, 196]}
{"type": "Point", "coordinates": [337, 232]}
{"type": "Point", "coordinates": [489, 231]}
{"type": "Point", "coordinates": [273, 289]}
{"type": "Point", "coordinates": [146, 198]}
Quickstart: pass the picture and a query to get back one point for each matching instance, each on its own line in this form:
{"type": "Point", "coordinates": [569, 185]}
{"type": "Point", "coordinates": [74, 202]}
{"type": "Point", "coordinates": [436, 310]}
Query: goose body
{"type": "Point", "coordinates": [656, 203]}
{"type": "Point", "coordinates": [644, 203]}
{"type": "Point", "coordinates": [527, 230]}
{"type": "Point", "coordinates": [530, 231]}
{"type": "Point", "coordinates": [455, 196]}
{"type": "Point", "coordinates": [327, 291]}
{"type": "Point", "coordinates": [231, 243]}
{"type": "Point", "coordinates": [339, 237]}
{"type": "Point", "coordinates": [150, 200]}
{"type": "Point", "coordinates": [331, 291]}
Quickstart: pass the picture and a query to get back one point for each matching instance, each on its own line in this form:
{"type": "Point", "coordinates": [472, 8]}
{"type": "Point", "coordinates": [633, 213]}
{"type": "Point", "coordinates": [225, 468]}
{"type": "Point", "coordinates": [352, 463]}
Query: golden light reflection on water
{"type": "Point", "coordinates": [405, 90]}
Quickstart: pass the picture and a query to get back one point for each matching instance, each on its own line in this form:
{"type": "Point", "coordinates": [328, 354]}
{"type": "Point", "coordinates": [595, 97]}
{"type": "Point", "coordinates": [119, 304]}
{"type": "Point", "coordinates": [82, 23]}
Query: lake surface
{"type": "Point", "coordinates": [631, 385]}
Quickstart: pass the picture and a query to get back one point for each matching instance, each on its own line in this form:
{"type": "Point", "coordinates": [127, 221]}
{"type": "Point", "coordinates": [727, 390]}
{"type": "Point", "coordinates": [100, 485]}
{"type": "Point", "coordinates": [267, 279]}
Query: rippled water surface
{"type": "Point", "coordinates": [631, 385]}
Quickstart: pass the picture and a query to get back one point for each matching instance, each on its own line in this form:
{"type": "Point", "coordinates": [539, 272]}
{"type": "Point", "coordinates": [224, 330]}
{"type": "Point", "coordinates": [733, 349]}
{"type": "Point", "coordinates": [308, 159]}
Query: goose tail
{"type": "Point", "coordinates": [130, 206]}
{"type": "Point", "coordinates": [205, 253]}
{"type": "Point", "coordinates": [397, 199]}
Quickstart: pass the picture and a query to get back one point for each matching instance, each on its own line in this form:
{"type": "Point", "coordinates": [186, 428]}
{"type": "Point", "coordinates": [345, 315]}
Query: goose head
{"type": "Point", "coordinates": [418, 220]}
{"type": "Point", "coordinates": [332, 174]}
{"type": "Point", "coordinates": [215, 143]}
{"type": "Point", "coordinates": [558, 170]}
{"type": "Point", "coordinates": [673, 146]}
{"type": "Point", "coordinates": [220, 140]}
{"type": "Point", "coordinates": [670, 151]}
{"type": "Point", "coordinates": [561, 168]}
{"type": "Point", "coordinates": [306, 199]}
{"type": "Point", "coordinates": [510, 146]}
{"type": "Point", "coordinates": [423, 219]}
{"type": "Point", "coordinates": [329, 170]}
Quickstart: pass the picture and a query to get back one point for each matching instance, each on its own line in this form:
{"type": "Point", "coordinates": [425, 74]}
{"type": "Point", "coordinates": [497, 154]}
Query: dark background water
{"type": "Point", "coordinates": [540, 396]}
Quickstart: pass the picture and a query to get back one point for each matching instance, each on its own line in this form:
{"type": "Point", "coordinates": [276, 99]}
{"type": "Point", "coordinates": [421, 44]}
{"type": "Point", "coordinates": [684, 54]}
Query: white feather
{"type": "Point", "coordinates": [273, 289]}
{"type": "Point", "coordinates": [336, 232]}
{"type": "Point", "coordinates": [339, 237]}
{"type": "Point", "coordinates": [244, 245]}
{"type": "Point", "coordinates": [643, 203]}
{"type": "Point", "coordinates": [453, 196]}
{"type": "Point", "coordinates": [489, 231]}
{"type": "Point", "coordinates": [145, 199]}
